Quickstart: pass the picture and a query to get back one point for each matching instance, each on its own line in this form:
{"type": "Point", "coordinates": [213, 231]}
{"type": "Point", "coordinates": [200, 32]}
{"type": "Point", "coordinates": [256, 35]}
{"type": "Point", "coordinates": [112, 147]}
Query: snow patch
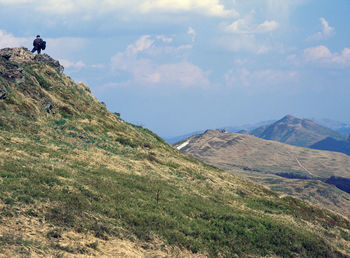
{"type": "Point", "coordinates": [183, 145]}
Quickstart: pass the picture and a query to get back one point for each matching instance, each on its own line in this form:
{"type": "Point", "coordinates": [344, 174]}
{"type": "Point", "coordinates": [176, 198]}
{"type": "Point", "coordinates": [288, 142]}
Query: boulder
{"type": "Point", "coordinates": [48, 107]}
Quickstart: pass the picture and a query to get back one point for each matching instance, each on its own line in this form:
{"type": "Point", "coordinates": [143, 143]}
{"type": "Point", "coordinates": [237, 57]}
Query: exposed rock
{"type": "Point", "coordinates": [48, 107]}
{"type": "Point", "coordinates": [18, 55]}
{"type": "Point", "coordinates": [11, 71]}
{"type": "Point", "coordinates": [20, 78]}
{"type": "Point", "coordinates": [23, 55]}
{"type": "Point", "coordinates": [46, 59]}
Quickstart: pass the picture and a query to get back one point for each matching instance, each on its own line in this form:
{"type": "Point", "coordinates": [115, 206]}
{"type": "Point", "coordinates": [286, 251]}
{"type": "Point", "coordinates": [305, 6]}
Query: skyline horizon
{"type": "Point", "coordinates": [265, 122]}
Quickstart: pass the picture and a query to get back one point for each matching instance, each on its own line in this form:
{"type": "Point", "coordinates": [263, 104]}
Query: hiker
{"type": "Point", "coordinates": [38, 44]}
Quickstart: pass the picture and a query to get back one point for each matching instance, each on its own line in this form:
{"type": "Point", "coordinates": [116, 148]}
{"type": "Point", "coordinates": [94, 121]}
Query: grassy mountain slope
{"type": "Point", "coordinates": [295, 131]}
{"type": "Point", "coordinates": [77, 180]}
{"type": "Point", "coordinates": [263, 161]}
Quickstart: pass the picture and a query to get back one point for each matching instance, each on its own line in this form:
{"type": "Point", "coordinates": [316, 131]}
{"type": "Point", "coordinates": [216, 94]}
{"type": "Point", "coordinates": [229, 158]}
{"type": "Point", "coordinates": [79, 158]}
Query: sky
{"type": "Point", "coordinates": [177, 66]}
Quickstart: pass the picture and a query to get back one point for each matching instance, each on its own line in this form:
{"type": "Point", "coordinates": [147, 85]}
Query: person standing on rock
{"type": "Point", "coordinates": [38, 44]}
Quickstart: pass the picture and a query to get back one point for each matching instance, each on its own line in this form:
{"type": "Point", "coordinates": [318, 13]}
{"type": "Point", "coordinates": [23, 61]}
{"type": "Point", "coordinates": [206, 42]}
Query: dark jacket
{"type": "Point", "coordinates": [37, 43]}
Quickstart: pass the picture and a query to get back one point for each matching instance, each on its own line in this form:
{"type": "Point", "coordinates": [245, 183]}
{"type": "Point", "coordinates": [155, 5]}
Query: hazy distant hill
{"type": "Point", "coordinates": [295, 131]}
{"type": "Point", "coordinates": [247, 127]}
{"type": "Point", "coordinates": [176, 139]}
{"type": "Point", "coordinates": [285, 168]}
{"type": "Point", "coordinates": [233, 129]}
{"type": "Point", "coordinates": [333, 124]}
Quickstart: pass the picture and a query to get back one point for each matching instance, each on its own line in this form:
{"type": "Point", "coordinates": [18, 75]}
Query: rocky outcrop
{"type": "Point", "coordinates": [30, 74]}
{"type": "Point", "coordinates": [23, 55]}
{"type": "Point", "coordinates": [10, 71]}
{"type": "Point", "coordinates": [46, 59]}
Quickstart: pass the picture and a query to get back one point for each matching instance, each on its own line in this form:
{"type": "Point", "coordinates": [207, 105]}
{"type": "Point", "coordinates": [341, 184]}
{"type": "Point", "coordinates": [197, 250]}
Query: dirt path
{"type": "Point", "coordinates": [308, 171]}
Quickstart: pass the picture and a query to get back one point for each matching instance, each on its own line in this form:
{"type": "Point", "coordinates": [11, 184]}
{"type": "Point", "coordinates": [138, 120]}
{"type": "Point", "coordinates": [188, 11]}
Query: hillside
{"type": "Point", "coordinates": [76, 180]}
{"type": "Point", "coordinates": [288, 169]}
{"type": "Point", "coordinates": [295, 131]}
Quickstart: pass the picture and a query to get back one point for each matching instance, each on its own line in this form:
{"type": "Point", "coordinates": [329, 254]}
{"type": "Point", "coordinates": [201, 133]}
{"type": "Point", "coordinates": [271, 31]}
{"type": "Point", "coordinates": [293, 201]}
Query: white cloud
{"type": "Point", "coordinates": [243, 26]}
{"type": "Point", "coordinates": [143, 43]}
{"type": "Point", "coordinates": [207, 7]}
{"type": "Point", "coordinates": [72, 65]}
{"type": "Point", "coordinates": [259, 79]}
{"type": "Point", "coordinates": [164, 38]}
{"type": "Point", "coordinates": [138, 62]}
{"type": "Point", "coordinates": [101, 7]}
{"type": "Point", "coordinates": [327, 32]}
{"type": "Point", "coordinates": [8, 40]}
{"type": "Point", "coordinates": [249, 43]}
{"type": "Point", "coordinates": [16, 1]}
{"type": "Point", "coordinates": [247, 25]}
{"type": "Point", "coordinates": [322, 55]}
{"type": "Point", "coordinates": [240, 26]}
{"type": "Point", "coordinates": [192, 33]}
{"type": "Point", "coordinates": [267, 26]}
{"type": "Point", "coordinates": [76, 66]}
{"type": "Point", "coordinates": [317, 53]}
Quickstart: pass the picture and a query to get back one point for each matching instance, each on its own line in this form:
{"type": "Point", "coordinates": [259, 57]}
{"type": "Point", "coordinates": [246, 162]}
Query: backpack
{"type": "Point", "coordinates": [43, 45]}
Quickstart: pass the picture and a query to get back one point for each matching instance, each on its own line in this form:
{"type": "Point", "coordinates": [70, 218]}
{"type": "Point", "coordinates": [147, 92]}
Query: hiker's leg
{"type": "Point", "coordinates": [33, 50]}
{"type": "Point", "coordinates": [39, 51]}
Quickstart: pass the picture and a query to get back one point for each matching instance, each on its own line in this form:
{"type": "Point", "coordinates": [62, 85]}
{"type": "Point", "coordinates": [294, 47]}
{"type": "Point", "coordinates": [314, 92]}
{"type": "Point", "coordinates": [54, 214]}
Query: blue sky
{"type": "Point", "coordinates": [177, 66]}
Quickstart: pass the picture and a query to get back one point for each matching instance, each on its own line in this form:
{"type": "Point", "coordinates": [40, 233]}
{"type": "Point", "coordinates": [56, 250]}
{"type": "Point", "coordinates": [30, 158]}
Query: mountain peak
{"type": "Point", "coordinates": [296, 131]}
{"type": "Point", "coordinates": [289, 118]}
{"type": "Point", "coordinates": [23, 55]}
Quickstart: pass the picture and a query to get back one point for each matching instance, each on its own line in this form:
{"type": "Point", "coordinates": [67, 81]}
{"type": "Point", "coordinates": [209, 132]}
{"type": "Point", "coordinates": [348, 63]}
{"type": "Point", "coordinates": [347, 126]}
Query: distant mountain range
{"type": "Point", "coordinates": [304, 133]}
{"type": "Point", "coordinates": [303, 172]}
{"type": "Point", "coordinates": [332, 124]}
{"type": "Point", "coordinates": [246, 127]}
{"type": "Point", "coordinates": [176, 139]}
{"type": "Point", "coordinates": [296, 131]}
{"type": "Point", "coordinates": [325, 134]}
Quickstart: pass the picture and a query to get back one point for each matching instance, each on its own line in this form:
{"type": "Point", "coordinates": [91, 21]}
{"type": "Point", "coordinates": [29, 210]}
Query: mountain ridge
{"type": "Point", "coordinates": [340, 127]}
